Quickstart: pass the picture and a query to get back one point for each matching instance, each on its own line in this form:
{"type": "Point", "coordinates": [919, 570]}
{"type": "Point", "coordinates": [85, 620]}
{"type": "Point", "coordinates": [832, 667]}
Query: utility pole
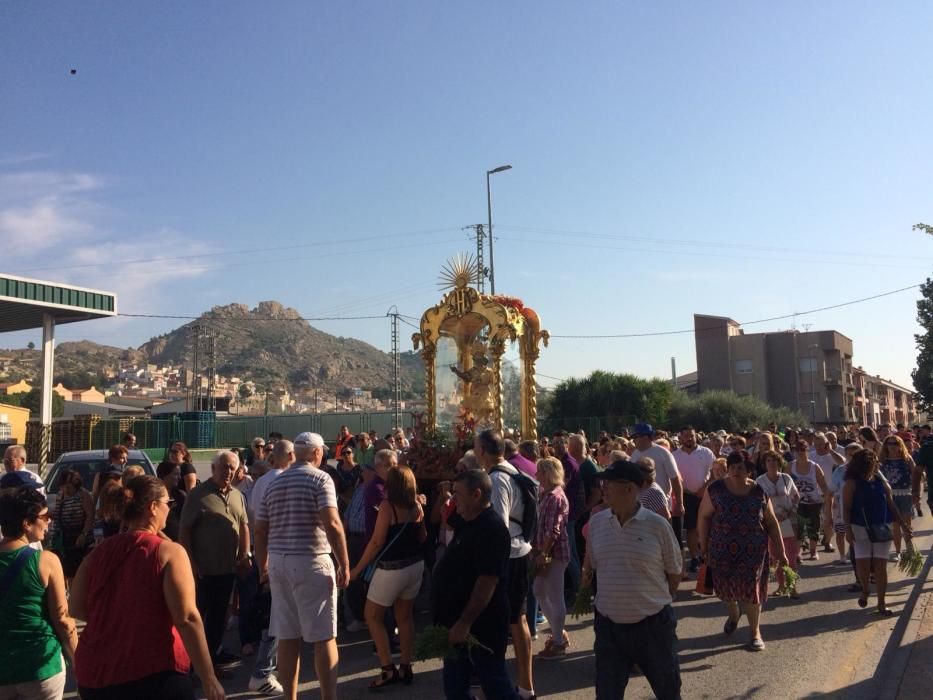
{"type": "Point", "coordinates": [397, 362]}
{"type": "Point", "coordinates": [482, 272]}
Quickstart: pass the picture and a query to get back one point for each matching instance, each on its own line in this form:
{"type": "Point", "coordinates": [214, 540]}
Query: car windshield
{"type": "Point", "coordinates": [87, 468]}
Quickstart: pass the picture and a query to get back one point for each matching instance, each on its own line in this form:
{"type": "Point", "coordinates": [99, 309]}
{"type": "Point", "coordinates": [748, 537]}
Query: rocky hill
{"type": "Point", "coordinates": [269, 345]}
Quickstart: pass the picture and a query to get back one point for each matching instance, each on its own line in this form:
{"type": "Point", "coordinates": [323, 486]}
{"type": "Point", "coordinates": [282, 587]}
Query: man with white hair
{"type": "Point", "coordinates": [298, 528]}
{"type": "Point", "coordinates": [14, 462]}
{"type": "Point", "coordinates": [214, 530]}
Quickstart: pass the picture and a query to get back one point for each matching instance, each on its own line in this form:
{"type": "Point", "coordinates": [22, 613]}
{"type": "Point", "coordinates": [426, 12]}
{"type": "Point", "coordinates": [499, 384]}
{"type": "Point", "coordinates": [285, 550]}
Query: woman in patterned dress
{"type": "Point", "coordinates": [735, 523]}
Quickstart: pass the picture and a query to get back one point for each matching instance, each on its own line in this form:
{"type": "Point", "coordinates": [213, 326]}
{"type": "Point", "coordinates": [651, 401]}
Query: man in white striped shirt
{"type": "Point", "coordinates": [297, 530]}
{"type": "Point", "coordinates": [638, 563]}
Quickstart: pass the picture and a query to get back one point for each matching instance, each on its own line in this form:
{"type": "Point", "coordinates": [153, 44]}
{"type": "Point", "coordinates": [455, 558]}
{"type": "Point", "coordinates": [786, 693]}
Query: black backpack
{"type": "Point", "coordinates": [529, 489]}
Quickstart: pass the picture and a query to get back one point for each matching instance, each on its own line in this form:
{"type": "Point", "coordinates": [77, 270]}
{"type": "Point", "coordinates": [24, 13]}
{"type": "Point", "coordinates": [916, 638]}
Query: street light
{"type": "Point", "coordinates": [492, 266]}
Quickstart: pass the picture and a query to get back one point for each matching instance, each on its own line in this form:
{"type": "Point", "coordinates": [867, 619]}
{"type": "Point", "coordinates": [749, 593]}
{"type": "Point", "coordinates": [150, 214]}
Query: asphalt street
{"type": "Point", "coordinates": [820, 646]}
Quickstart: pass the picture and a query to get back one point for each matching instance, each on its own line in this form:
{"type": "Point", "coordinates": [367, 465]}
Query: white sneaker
{"type": "Point", "coordinates": [267, 686]}
{"type": "Point", "coordinates": [356, 626]}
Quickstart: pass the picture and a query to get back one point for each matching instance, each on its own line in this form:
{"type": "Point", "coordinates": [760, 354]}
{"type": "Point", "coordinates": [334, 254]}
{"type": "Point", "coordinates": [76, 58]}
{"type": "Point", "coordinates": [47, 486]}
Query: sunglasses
{"type": "Point", "coordinates": [44, 516]}
{"type": "Point", "coordinates": [347, 452]}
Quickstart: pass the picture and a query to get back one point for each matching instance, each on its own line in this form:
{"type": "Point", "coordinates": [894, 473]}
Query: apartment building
{"type": "Point", "coordinates": [880, 401]}
{"type": "Point", "coordinates": [809, 371]}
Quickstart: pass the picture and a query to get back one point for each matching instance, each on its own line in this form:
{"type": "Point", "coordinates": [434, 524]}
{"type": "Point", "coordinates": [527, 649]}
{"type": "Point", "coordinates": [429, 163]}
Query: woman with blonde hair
{"type": "Point", "coordinates": [551, 550]}
{"type": "Point", "coordinates": [765, 443]}
{"type": "Point", "coordinates": [903, 475]}
{"type": "Point", "coordinates": [396, 548]}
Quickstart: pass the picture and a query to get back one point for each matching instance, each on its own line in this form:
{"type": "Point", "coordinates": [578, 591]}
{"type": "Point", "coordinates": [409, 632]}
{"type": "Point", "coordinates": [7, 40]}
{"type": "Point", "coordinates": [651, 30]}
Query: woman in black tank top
{"type": "Point", "coordinates": [396, 547]}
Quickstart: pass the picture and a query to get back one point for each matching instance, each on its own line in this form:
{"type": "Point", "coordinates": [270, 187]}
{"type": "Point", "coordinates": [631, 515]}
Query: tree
{"type": "Point", "coordinates": [622, 399]}
{"type": "Point", "coordinates": [31, 345]}
{"type": "Point", "coordinates": [923, 374]}
{"type": "Point", "coordinates": [32, 400]}
{"type": "Point", "coordinates": [715, 410]}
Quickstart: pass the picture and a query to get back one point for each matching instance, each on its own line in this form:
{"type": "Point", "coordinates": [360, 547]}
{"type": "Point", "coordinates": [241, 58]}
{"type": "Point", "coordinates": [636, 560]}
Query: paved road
{"type": "Point", "coordinates": [820, 646]}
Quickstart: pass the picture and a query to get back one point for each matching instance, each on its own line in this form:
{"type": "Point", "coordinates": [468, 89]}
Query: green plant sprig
{"type": "Point", "coordinates": [433, 642]}
{"type": "Point", "coordinates": [583, 603]}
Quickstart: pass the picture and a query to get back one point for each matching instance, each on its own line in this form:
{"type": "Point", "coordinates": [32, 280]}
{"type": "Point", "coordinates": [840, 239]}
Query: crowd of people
{"type": "Point", "coordinates": [293, 539]}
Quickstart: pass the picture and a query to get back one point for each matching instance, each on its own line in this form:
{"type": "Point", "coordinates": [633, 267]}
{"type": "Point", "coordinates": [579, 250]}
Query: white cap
{"type": "Point", "coordinates": [309, 439]}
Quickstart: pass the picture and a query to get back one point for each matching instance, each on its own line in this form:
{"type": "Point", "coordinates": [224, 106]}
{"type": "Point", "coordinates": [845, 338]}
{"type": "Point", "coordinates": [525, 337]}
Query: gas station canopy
{"type": "Point", "coordinates": [27, 304]}
{"type": "Point", "coordinates": [24, 302]}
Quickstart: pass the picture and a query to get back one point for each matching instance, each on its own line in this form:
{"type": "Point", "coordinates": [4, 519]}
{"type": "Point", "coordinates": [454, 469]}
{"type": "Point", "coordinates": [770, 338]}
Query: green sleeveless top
{"type": "Point", "coordinates": [29, 649]}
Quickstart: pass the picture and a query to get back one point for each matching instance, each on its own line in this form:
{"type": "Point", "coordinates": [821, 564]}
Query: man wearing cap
{"type": "Point", "coordinates": [667, 474]}
{"type": "Point", "coordinates": [639, 566]}
{"type": "Point", "coordinates": [297, 530]}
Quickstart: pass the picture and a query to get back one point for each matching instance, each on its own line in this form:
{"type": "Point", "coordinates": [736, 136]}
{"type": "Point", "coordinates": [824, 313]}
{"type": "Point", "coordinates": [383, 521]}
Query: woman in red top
{"type": "Point", "coordinates": [136, 592]}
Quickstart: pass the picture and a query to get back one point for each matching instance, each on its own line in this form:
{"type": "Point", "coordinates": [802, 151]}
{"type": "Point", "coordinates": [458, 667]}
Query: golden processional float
{"type": "Point", "coordinates": [464, 339]}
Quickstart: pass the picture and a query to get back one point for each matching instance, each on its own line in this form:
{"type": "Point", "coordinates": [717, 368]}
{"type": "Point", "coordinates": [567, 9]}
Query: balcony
{"type": "Point", "coordinates": [833, 377]}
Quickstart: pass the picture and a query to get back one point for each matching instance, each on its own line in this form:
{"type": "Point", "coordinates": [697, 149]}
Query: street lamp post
{"type": "Point", "coordinates": [492, 266]}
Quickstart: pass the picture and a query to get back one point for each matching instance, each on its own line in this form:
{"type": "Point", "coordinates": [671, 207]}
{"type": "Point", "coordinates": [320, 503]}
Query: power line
{"type": "Point", "coordinates": [219, 253]}
{"type": "Point", "coordinates": [254, 318]}
{"type": "Point", "coordinates": [746, 323]}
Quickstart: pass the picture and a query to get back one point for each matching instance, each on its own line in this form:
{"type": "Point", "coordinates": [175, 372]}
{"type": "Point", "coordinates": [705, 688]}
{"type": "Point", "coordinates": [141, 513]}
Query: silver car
{"type": "Point", "coordinates": [88, 463]}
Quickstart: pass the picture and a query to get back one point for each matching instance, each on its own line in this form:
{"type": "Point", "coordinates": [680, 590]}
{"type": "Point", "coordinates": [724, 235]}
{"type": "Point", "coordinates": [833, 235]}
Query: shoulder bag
{"type": "Point", "coordinates": [370, 569]}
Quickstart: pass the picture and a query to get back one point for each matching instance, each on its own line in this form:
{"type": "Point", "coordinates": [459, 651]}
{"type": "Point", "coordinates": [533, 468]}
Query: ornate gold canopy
{"type": "Point", "coordinates": [481, 326]}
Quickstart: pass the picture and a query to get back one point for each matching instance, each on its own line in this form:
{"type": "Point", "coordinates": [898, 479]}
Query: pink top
{"type": "Point", "coordinates": [553, 509]}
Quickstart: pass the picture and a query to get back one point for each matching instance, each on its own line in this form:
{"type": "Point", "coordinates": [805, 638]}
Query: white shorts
{"type": "Point", "coordinates": [50, 689]}
{"type": "Point", "coordinates": [864, 548]}
{"type": "Point", "coordinates": [304, 597]}
{"type": "Point", "coordinates": [388, 585]}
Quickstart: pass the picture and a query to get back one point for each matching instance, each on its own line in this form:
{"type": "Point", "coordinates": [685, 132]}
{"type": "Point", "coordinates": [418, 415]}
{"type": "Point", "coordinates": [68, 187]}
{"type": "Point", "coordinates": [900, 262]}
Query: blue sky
{"type": "Point", "coordinates": [737, 159]}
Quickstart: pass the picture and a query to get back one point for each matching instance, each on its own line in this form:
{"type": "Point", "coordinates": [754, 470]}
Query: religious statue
{"type": "Point", "coordinates": [479, 382]}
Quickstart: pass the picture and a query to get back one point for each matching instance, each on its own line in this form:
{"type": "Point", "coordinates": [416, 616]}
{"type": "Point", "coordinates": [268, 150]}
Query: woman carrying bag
{"type": "Point", "coordinates": [869, 511]}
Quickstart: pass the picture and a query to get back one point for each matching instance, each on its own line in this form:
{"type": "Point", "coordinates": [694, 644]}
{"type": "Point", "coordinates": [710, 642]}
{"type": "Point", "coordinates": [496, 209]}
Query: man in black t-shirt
{"type": "Point", "coordinates": [470, 592]}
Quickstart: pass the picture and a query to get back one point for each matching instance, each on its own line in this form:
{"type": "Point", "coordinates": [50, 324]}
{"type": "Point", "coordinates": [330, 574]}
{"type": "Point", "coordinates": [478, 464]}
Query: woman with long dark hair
{"type": "Point", "coordinates": [74, 519]}
{"type": "Point", "coordinates": [178, 455]}
{"type": "Point", "coordinates": [396, 545]}
{"type": "Point", "coordinates": [136, 592]}
{"type": "Point", "coordinates": [868, 510]}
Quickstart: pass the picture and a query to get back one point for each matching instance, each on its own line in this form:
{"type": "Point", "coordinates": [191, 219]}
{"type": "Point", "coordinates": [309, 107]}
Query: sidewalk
{"type": "Point", "coordinates": [917, 679]}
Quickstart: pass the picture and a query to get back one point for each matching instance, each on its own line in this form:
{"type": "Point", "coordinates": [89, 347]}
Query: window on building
{"type": "Point", "coordinates": [743, 366]}
{"type": "Point", "coordinates": [808, 364]}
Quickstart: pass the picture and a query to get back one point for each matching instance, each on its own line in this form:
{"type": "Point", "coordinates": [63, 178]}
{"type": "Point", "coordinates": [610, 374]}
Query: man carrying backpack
{"type": "Point", "coordinates": [514, 498]}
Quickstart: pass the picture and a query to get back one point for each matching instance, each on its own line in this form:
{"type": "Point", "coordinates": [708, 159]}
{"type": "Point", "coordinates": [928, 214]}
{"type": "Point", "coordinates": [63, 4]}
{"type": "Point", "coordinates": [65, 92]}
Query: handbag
{"type": "Point", "coordinates": [370, 569]}
{"type": "Point", "coordinates": [878, 532]}
{"type": "Point", "coordinates": [705, 580]}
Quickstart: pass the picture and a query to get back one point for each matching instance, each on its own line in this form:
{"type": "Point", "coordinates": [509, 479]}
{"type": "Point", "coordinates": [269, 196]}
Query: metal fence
{"type": "Point", "coordinates": [237, 431]}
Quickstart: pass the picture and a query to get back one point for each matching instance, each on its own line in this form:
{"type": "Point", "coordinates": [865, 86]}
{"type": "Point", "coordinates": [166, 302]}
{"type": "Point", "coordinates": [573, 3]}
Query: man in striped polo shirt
{"type": "Point", "coordinates": [639, 564]}
{"type": "Point", "coordinates": [297, 530]}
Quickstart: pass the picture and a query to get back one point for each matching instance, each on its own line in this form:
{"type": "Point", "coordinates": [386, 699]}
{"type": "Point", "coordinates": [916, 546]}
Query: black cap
{"type": "Point", "coordinates": [623, 470]}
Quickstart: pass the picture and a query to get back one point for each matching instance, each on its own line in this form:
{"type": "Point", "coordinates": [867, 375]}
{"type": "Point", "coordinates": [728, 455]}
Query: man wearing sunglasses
{"type": "Point", "coordinates": [14, 462]}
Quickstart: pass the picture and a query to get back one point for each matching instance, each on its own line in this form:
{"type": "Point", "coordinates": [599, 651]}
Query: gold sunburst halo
{"type": "Point", "coordinates": [459, 272]}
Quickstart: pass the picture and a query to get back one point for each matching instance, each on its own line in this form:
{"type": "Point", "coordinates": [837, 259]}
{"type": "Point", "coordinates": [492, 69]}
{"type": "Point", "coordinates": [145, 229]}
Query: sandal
{"type": "Point", "coordinates": [389, 676]}
{"type": "Point", "coordinates": [757, 644]}
{"type": "Point", "coordinates": [885, 612]}
{"type": "Point", "coordinates": [730, 626]}
{"type": "Point", "coordinates": [863, 599]}
{"type": "Point", "coordinates": [406, 674]}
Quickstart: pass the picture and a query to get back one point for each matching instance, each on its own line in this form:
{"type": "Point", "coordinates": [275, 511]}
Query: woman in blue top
{"type": "Point", "coordinates": [867, 501]}
{"type": "Point", "coordinates": [903, 476]}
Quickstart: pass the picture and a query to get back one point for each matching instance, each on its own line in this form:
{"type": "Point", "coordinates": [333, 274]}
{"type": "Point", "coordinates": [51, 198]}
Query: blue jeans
{"type": "Point", "coordinates": [490, 668]}
{"type": "Point", "coordinates": [651, 643]}
{"type": "Point", "coordinates": [265, 664]}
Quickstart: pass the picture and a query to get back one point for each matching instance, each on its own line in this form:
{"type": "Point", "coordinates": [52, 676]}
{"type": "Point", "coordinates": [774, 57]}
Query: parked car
{"type": "Point", "coordinates": [88, 463]}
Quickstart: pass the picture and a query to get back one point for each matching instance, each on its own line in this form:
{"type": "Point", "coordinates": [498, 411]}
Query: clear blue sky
{"type": "Point", "coordinates": [740, 159]}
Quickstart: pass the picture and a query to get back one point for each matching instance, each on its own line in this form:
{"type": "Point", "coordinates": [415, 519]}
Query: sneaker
{"type": "Point", "coordinates": [267, 686]}
{"type": "Point", "coordinates": [895, 556]}
{"type": "Point", "coordinates": [356, 626]}
{"type": "Point", "coordinates": [540, 619]}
